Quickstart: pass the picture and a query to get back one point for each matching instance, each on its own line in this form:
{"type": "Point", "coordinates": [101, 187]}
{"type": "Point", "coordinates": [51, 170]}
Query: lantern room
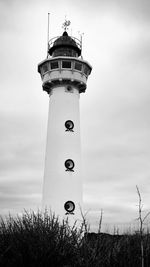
{"type": "Point", "coordinates": [64, 46]}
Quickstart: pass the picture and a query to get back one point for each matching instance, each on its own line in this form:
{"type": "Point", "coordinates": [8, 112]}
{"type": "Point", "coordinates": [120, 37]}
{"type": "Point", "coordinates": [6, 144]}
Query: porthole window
{"type": "Point", "coordinates": [69, 89]}
{"type": "Point", "coordinates": [69, 207]}
{"type": "Point", "coordinates": [78, 66]}
{"type": "Point", "coordinates": [69, 125]}
{"type": "Point", "coordinates": [54, 65]}
{"type": "Point", "coordinates": [66, 64]}
{"type": "Point", "coordinates": [69, 164]}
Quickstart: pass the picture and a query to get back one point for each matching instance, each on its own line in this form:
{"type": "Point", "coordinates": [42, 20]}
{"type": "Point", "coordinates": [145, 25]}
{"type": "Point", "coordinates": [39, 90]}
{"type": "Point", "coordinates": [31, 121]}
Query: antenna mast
{"type": "Point", "coordinates": [81, 40]}
{"type": "Point", "coordinates": [48, 35]}
{"type": "Point", "coordinates": [81, 45]}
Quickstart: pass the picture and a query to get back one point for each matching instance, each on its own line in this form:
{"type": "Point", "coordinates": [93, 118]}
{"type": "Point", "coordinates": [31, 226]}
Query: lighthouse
{"type": "Point", "coordinates": [64, 75]}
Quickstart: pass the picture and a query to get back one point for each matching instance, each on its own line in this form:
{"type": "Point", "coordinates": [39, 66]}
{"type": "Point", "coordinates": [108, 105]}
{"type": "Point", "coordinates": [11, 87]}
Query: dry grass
{"type": "Point", "coordinates": [39, 239]}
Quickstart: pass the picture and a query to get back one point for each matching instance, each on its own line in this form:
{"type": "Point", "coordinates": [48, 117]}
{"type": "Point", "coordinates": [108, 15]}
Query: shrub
{"type": "Point", "coordinates": [39, 239]}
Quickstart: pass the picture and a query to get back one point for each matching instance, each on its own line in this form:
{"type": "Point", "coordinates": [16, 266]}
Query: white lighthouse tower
{"type": "Point", "coordinates": [64, 75]}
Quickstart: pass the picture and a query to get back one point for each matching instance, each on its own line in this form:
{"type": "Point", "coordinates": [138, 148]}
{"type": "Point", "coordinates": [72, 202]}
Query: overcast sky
{"type": "Point", "coordinates": [115, 110]}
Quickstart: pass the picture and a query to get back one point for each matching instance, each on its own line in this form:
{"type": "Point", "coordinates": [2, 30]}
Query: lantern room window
{"type": "Point", "coordinates": [65, 52]}
{"type": "Point", "coordinates": [78, 66]}
{"type": "Point", "coordinates": [54, 65]}
{"type": "Point", "coordinates": [66, 64]}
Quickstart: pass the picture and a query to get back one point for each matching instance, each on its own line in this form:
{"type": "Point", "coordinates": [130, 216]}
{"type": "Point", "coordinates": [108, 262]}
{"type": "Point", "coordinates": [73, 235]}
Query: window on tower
{"type": "Point", "coordinates": [69, 125]}
{"type": "Point", "coordinates": [69, 89]}
{"type": "Point", "coordinates": [45, 68]}
{"type": "Point", "coordinates": [69, 207]}
{"type": "Point", "coordinates": [86, 70]}
{"type": "Point", "coordinates": [78, 66]}
{"type": "Point", "coordinates": [66, 64]}
{"type": "Point", "coordinates": [69, 164]}
{"type": "Point", "coordinates": [54, 65]}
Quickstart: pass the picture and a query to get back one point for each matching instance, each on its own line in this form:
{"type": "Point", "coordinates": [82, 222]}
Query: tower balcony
{"type": "Point", "coordinates": [64, 70]}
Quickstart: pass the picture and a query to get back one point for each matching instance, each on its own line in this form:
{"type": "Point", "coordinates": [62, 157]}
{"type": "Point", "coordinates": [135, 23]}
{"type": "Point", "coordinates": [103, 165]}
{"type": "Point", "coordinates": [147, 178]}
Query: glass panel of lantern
{"type": "Point", "coordinates": [64, 52]}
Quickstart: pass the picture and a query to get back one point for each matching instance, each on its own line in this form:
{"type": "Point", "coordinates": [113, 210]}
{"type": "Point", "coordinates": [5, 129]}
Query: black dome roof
{"type": "Point", "coordinates": [65, 41]}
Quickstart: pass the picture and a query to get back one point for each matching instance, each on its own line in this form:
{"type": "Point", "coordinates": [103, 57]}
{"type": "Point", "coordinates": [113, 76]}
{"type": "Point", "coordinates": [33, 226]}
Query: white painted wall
{"type": "Point", "coordinates": [60, 185]}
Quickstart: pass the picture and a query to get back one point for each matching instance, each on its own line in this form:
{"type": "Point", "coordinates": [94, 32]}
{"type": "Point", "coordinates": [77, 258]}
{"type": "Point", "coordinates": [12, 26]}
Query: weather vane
{"type": "Point", "coordinates": [66, 24]}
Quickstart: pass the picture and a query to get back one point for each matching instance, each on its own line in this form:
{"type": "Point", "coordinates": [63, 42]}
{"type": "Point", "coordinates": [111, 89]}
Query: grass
{"type": "Point", "coordinates": [40, 240]}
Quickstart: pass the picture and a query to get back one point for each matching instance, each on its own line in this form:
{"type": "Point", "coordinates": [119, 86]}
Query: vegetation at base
{"type": "Point", "coordinates": [40, 240]}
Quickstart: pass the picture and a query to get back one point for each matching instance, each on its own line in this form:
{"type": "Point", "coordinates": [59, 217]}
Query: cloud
{"type": "Point", "coordinates": [114, 110]}
{"type": "Point", "coordinates": [21, 163]}
{"type": "Point", "coordinates": [20, 190]}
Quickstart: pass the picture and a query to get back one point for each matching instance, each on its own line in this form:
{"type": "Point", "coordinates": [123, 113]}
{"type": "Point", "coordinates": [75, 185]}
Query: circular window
{"type": "Point", "coordinates": [69, 125]}
{"type": "Point", "coordinates": [69, 164]}
{"type": "Point", "coordinates": [69, 88]}
{"type": "Point", "coordinates": [69, 206]}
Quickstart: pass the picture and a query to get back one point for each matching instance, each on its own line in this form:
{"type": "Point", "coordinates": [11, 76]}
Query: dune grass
{"type": "Point", "coordinates": [39, 239]}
